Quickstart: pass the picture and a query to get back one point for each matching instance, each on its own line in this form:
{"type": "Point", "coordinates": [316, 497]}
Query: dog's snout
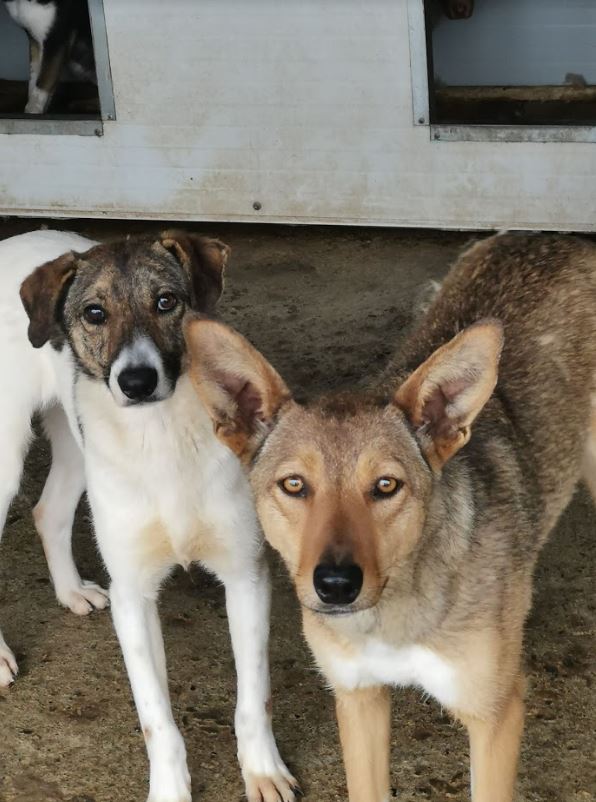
{"type": "Point", "coordinates": [138, 383]}
{"type": "Point", "coordinates": [337, 584]}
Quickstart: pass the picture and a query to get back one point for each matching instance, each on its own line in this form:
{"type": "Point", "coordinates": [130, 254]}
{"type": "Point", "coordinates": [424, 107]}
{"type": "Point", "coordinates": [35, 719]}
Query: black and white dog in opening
{"type": "Point", "coordinates": [59, 34]}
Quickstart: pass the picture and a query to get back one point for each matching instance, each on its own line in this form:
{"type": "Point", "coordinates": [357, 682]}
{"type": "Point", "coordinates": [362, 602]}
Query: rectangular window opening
{"type": "Point", "coordinates": [54, 67]}
{"type": "Point", "coordinates": [511, 63]}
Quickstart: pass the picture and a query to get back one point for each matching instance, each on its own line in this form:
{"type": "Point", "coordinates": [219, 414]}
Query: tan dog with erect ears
{"type": "Point", "coordinates": [410, 515]}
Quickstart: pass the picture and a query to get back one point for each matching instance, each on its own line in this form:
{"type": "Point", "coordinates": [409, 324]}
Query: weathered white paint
{"type": "Point", "coordinates": [304, 107]}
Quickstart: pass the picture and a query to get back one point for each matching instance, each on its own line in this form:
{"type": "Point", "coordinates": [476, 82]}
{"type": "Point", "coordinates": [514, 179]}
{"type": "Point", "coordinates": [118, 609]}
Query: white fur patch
{"type": "Point", "coordinates": [142, 352]}
{"type": "Point", "coordinates": [36, 19]}
{"type": "Point", "coordinates": [378, 663]}
{"type": "Point", "coordinates": [38, 100]}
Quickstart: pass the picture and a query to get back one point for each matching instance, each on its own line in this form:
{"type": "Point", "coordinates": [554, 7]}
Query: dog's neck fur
{"type": "Point", "coordinates": [181, 417]}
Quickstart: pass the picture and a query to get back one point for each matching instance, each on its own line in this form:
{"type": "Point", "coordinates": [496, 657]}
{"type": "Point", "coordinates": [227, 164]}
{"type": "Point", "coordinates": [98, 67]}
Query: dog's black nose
{"type": "Point", "coordinates": [338, 584]}
{"type": "Point", "coordinates": [138, 383]}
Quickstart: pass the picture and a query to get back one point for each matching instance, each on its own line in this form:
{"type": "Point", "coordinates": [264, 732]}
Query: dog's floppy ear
{"type": "Point", "coordinates": [242, 392]}
{"type": "Point", "coordinates": [445, 394]}
{"type": "Point", "coordinates": [42, 294]}
{"type": "Point", "coordinates": [205, 259]}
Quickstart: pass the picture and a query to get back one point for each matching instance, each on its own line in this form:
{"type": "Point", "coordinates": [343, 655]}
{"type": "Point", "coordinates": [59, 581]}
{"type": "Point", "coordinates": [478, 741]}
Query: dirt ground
{"type": "Point", "coordinates": [326, 306]}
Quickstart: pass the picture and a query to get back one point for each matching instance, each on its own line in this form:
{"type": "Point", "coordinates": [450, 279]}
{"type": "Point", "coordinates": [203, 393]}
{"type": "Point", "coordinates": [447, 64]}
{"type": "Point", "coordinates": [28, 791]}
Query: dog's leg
{"type": "Point", "coordinates": [157, 647]}
{"type": "Point", "coordinates": [248, 604]}
{"type": "Point", "coordinates": [8, 664]}
{"type": "Point", "coordinates": [15, 432]}
{"type": "Point", "coordinates": [41, 91]}
{"type": "Point", "coordinates": [364, 718]}
{"type": "Point", "coordinates": [494, 751]}
{"type": "Point", "coordinates": [134, 610]}
{"type": "Point", "coordinates": [34, 63]}
{"type": "Point", "coordinates": [54, 514]}
{"type": "Point", "coordinates": [589, 465]}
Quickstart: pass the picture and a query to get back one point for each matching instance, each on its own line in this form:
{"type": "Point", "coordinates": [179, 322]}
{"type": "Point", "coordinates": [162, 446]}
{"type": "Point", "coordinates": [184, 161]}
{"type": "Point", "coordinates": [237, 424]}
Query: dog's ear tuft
{"type": "Point", "coordinates": [42, 294]}
{"type": "Point", "coordinates": [445, 394]}
{"type": "Point", "coordinates": [242, 392]}
{"type": "Point", "coordinates": [205, 259]}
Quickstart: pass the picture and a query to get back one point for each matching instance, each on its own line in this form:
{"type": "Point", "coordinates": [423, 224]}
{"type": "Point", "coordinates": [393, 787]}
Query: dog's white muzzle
{"type": "Point", "coordinates": [137, 375]}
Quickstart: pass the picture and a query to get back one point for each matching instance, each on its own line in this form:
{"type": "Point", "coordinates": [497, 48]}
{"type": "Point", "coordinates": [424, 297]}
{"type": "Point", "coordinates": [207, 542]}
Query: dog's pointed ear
{"type": "Point", "coordinates": [445, 394]}
{"type": "Point", "coordinates": [205, 259]}
{"type": "Point", "coordinates": [242, 392]}
{"type": "Point", "coordinates": [42, 294]}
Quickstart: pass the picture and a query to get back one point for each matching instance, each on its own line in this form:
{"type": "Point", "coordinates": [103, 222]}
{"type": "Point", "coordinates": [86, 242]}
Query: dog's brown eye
{"type": "Point", "coordinates": [166, 302]}
{"type": "Point", "coordinates": [293, 486]}
{"type": "Point", "coordinates": [95, 314]}
{"type": "Point", "coordinates": [386, 486]}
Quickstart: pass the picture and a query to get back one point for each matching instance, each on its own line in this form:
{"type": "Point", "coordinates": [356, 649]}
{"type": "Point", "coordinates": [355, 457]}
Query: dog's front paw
{"type": "Point", "coordinates": [183, 796]}
{"type": "Point", "coordinates": [170, 778]}
{"type": "Point", "coordinates": [279, 787]}
{"type": "Point", "coordinates": [84, 597]}
{"type": "Point", "coordinates": [265, 774]}
{"type": "Point", "coordinates": [173, 789]}
{"type": "Point", "coordinates": [8, 665]}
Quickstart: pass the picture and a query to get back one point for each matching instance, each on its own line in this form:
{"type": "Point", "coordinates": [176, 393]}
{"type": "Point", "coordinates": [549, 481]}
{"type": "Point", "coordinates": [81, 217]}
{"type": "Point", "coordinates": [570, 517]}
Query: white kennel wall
{"type": "Point", "coordinates": [294, 111]}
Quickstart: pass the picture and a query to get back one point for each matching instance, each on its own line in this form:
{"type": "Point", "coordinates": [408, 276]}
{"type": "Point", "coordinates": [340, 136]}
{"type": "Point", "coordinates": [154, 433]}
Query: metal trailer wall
{"type": "Point", "coordinates": [294, 111]}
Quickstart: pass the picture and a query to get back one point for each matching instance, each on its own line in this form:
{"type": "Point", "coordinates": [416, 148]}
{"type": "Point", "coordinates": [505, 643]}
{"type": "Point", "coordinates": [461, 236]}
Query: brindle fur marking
{"type": "Point", "coordinates": [109, 275]}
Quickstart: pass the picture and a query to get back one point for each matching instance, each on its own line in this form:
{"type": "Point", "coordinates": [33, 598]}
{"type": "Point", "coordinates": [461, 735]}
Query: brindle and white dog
{"type": "Point", "coordinates": [107, 370]}
{"type": "Point", "coordinates": [410, 539]}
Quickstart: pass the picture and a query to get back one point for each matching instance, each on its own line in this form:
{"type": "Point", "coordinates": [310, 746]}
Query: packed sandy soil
{"type": "Point", "coordinates": [326, 306]}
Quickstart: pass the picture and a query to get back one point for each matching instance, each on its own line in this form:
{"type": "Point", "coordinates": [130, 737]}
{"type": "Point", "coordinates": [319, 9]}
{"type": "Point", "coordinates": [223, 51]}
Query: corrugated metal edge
{"type": "Point", "coordinates": [39, 124]}
{"type": "Point", "coordinates": [418, 62]}
{"type": "Point", "coordinates": [102, 59]}
{"type": "Point", "coordinates": [431, 223]}
{"type": "Point", "coordinates": [513, 133]}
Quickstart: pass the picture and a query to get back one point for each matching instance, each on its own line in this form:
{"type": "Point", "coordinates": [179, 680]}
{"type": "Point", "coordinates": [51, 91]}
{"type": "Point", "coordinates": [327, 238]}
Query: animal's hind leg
{"type": "Point", "coordinates": [54, 514]}
{"type": "Point", "coordinates": [15, 431]}
{"type": "Point", "coordinates": [34, 63]}
{"type": "Point", "coordinates": [41, 90]}
{"type": "Point", "coordinates": [589, 464]}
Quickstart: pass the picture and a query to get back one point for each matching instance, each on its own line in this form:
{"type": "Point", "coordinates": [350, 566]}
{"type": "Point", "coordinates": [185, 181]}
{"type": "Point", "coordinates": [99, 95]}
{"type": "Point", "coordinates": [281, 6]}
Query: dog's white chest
{"type": "Point", "coordinates": [378, 663]}
{"type": "Point", "coordinates": [36, 18]}
{"type": "Point", "coordinates": [159, 474]}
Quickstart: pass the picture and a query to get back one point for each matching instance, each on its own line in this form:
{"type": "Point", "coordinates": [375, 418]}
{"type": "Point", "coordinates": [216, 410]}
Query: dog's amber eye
{"type": "Point", "coordinates": [386, 486]}
{"type": "Point", "coordinates": [95, 314]}
{"type": "Point", "coordinates": [166, 302]}
{"type": "Point", "coordinates": [293, 486]}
